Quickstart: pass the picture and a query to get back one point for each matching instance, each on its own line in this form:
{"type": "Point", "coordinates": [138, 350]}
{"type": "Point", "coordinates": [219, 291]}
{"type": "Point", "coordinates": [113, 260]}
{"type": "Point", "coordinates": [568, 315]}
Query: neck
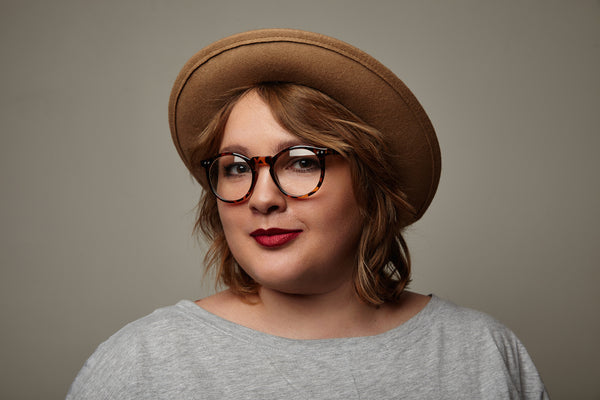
{"type": "Point", "coordinates": [339, 313]}
{"type": "Point", "coordinates": [335, 314]}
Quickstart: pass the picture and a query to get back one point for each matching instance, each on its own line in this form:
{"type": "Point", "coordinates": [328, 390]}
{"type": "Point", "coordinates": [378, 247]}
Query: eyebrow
{"type": "Point", "coordinates": [236, 148]}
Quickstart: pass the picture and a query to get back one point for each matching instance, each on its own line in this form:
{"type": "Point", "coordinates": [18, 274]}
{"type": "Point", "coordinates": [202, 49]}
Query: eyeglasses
{"type": "Point", "coordinates": [298, 172]}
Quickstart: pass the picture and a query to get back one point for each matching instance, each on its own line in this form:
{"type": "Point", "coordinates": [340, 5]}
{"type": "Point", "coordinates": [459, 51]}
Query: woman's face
{"type": "Point", "coordinates": [315, 250]}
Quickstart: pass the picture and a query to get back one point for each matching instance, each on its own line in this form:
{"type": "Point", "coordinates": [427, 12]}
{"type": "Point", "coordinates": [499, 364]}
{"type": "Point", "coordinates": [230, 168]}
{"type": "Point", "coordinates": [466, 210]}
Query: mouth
{"type": "Point", "coordinates": [275, 237]}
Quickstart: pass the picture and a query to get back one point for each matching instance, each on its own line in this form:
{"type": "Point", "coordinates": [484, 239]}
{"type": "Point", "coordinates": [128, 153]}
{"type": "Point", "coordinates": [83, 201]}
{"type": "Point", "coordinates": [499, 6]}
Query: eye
{"type": "Point", "coordinates": [299, 160]}
{"type": "Point", "coordinates": [233, 166]}
{"type": "Point", "coordinates": [303, 164]}
{"type": "Point", "coordinates": [238, 168]}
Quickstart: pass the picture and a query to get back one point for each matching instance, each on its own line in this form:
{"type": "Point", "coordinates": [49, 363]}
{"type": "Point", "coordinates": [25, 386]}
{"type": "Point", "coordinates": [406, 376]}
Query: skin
{"type": "Point", "coordinates": [306, 288]}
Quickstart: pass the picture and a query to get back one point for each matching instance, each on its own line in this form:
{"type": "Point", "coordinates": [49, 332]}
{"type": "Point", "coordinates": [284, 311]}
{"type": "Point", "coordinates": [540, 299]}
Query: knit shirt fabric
{"type": "Point", "coordinates": [185, 352]}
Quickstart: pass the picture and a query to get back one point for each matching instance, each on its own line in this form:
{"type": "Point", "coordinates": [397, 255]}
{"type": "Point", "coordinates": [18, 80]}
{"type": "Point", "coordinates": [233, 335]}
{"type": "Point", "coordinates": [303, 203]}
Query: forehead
{"type": "Point", "coordinates": [252, 129]}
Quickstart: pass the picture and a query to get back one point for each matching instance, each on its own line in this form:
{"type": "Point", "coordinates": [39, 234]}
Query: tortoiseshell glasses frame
{"type": "Point", "coordinates": [298, 172]}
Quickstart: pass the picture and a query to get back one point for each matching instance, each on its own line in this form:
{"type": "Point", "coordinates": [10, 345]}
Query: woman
{"type": "Point", "coordinates": [314, 158]}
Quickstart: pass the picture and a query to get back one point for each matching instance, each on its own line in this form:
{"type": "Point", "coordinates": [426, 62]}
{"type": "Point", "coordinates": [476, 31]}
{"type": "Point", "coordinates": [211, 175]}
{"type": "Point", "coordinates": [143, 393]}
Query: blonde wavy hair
{"type": "Point", "coordinates": [382, 261]}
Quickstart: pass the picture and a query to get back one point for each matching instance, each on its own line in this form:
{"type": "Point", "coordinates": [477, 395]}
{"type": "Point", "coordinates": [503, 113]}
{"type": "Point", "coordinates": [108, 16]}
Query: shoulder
{"type": "Point", "coordinates": [470, 329]}
{"type": "Point", "coordinates": [161, 323]}
{"type": "Point", "coordinates": [120, 363]}
{"type": "Point", "coordinates": [452, 316]}
{"type": "Point", "coordinates": [479, 345]}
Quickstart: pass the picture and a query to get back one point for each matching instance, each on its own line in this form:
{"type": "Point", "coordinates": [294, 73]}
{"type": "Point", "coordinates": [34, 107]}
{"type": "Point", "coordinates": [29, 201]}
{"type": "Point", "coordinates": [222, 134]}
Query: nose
{"type": "Point", "coordinates": [266, 197]}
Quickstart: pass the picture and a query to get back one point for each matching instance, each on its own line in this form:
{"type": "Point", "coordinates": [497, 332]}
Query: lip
{"type": "Point", "coordinates": [275, 237]}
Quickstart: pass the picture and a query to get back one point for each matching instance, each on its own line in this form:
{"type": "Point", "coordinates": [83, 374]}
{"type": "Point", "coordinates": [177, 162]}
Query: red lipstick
{"type": "Point", "coordinates": [275, 237]}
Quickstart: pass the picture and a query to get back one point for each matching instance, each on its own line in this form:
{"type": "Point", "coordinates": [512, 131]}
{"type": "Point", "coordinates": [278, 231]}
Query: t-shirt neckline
{"type": "Point", "coordinates": [243, 333]}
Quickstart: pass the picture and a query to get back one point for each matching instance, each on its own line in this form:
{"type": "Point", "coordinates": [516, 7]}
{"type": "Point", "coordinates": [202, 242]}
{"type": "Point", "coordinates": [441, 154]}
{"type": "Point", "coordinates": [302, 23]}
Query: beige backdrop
{"type": "Point", "coordinates": [96, 208]}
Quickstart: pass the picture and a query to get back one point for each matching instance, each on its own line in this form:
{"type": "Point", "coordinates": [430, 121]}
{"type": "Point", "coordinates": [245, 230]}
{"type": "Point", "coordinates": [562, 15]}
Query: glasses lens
{"type": "Point", "coordinates": [298, 171]}
{"type": "Point", "coordinates": [230, 177]}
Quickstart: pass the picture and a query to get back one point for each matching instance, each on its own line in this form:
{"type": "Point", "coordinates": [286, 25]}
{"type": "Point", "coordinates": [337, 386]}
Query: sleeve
{"type": "Point", "coordinates": [490, 354]}
{"type": "Point", "coordinates": [523, 373]}
{"type": "Point", "coordinates": [113, 371]}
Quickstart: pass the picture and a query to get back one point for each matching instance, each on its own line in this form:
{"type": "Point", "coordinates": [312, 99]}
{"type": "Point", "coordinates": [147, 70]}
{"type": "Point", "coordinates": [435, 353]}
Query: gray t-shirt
{"type": "Point", "coordinates": [185, 352]}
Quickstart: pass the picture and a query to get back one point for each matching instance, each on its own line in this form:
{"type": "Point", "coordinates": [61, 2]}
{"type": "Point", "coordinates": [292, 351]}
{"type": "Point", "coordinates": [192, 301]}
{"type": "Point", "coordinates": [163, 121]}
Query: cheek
{"type": "Point", "coordinates": [340, 218]}
{"type": "Point", "coordinates": [230, 221]}
{"type": "Point", "coordinates": [345, 224]}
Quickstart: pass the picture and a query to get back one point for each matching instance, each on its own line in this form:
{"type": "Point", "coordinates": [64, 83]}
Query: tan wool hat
{"type": "Point", "coordinates": [343, 72]}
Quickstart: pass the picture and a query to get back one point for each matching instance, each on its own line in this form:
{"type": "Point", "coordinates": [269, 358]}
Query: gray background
{"type": "Point", "coordinates": [96, 207]}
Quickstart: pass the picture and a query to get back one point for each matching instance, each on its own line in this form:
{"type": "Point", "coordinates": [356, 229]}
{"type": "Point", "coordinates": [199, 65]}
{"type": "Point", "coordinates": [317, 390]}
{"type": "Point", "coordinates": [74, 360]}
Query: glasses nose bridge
{"type": "Point", "coordinates": [266, 161]}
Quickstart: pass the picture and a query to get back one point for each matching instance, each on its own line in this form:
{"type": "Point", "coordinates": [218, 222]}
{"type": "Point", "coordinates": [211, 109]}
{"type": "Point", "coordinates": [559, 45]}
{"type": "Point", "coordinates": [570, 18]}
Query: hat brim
{"type": "Point", "coordinates": [343, 72]}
